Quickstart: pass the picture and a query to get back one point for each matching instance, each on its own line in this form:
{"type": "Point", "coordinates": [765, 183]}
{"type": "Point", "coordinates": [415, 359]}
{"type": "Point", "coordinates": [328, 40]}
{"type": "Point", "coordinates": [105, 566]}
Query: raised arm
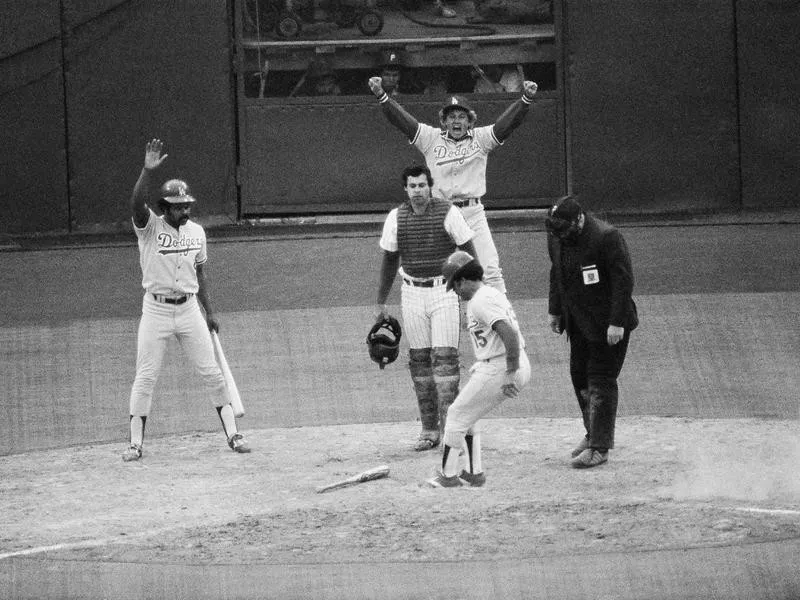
{"type": "Point", "coordinates": [152, 160]}
{"type": "Point", "coordinates": [395, 114]}
{"type": "Point", "coordinates": [513, 116]}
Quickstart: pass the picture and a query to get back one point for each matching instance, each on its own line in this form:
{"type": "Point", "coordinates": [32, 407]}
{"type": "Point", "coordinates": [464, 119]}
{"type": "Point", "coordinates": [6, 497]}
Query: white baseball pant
{"type": "Point", "coordinates": [431, 316]}
{"type": "Point", "coordinates": [475, 217]}
{"type": "Point", "coordinates": [482, 394]}
{"type": "Point", "coordinates": [160, 322]}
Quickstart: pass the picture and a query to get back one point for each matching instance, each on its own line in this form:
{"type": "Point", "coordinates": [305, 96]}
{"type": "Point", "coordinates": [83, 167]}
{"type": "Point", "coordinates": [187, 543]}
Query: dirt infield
{"type": "Point", "coordinates": [670, 484]}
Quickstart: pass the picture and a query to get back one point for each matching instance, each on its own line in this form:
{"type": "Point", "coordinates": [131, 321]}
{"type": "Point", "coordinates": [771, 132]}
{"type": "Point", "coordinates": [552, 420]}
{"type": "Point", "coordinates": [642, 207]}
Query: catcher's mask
{"type": "Point", "coordinates": [384, 341]}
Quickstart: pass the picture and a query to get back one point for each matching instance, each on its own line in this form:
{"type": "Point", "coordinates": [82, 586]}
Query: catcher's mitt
{"type": "Point", "coordinates": [384, 341]}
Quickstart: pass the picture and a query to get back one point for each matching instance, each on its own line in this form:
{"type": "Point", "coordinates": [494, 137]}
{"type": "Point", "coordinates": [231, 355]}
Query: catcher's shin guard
{"type": "Point", "coordinates": [425, 387]}
{"type": "Point", "coordinates": [447, 378]}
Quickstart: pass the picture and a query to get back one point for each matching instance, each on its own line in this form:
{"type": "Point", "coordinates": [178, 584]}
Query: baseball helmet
{"type": "Point", "coordinates": [459, 102]}
{"type": "Point", "coordinates": [454, 264]}
{"type": "Point", "coordinates": [176, 191]}
{"type": "Point", "coordinates": [384, 341]}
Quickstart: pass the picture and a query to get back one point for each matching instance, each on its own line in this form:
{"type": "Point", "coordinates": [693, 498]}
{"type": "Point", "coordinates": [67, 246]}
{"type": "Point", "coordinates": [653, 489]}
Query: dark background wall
{"type": "Point", "coordinates": [85, 87]}
{"type": "Point", "coordinates": [669, 104]}
{"type": "Point", "coordinates": [652, 94]}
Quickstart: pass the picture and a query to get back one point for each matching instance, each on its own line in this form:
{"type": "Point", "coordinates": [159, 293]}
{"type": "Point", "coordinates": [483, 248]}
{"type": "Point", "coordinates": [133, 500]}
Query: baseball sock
{"type": "Point", "coordinates": [474, 452]}
{"type": "Point", "coordinates": [225, 413]}
{"type": "Point", "coordinates": [137, 429]}
{"type": "Point", "coordinates": [449, 461]}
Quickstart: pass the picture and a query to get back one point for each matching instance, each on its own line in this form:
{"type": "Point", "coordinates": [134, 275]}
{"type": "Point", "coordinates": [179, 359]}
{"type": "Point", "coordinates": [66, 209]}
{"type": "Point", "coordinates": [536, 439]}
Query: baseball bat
{"type": "Point", "coordinates": [230, 384]}
{"type": "Point", "coordinates": [368, 475]}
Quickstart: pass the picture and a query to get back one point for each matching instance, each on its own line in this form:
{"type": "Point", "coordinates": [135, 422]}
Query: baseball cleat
{"type": "Point", "coordinates": [238, 443]}
{"type": "Point", "coordinates": [441, 481]}
{"type": "Point", "coordinates": [473, 479]}
{"type": "Point", "coordinates": [133, 452]}
{"type": "Point", "coordinates": [589, 458]}
{"type": "Point", "coordinates": [583, 445]}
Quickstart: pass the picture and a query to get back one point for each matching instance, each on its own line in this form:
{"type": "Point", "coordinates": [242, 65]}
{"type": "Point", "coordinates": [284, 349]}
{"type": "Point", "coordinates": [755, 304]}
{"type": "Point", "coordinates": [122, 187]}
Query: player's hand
{"type": "Point", "coordinates": [529, 88]}
{"type": "Point", "coordinates": [614, 334]}
{"type": "Point", "coordinates": [510, 388]}
{"type": "Point", "coordinates": [376, 86]}
{"type": "Point", "coordinates": [380, 312]}
{"type": "Point", "coordinates": [555, 324]}
{"type": "Point", "coordinates": [152, 154]}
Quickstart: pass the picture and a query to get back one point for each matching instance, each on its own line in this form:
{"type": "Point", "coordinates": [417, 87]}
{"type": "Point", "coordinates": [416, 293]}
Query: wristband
{"type": "Point", "coordinates": [527, 100]}
{"type": "Point", "coordinates": [383, 98]}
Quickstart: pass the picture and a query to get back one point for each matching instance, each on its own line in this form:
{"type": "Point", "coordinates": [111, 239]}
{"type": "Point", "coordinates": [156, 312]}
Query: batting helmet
{"type": "Point", "coordinates": [453, 102]}
{"type": "Point", "coordinates": [454, 264]}
{"type": "Point", "coordinates": [176, 191]}
{"type": "Point", "coordinates": [384, 341]}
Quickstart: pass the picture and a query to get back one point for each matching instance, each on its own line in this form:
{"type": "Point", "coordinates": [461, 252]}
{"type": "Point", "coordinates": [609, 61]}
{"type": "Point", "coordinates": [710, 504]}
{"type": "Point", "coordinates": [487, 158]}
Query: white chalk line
{"type": "Point", "coordinates": [55, 547]}
{"type": "Point", "coordinates": [772, 511]}
{"type": "Point", "coordinates": [122, 539]}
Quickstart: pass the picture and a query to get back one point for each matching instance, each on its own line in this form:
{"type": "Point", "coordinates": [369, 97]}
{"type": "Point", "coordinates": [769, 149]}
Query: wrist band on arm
{"type": "Point", "coordinates": [383, 98]}
{"type": "Point", "coordinates": [526, 100]}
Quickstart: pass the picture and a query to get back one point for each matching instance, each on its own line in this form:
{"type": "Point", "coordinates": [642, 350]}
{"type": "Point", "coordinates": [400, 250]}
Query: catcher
{"type": "Point", "coordinates": [417, 237]}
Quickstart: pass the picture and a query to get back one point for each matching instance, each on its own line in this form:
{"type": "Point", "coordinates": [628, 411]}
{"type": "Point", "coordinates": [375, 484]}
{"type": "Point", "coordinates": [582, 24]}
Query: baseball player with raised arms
{"type": "Point", "coordinates": [416, 237]}
{"type": "Point", "coordinates": [456, 154]}
{"type": "Point", "coordinates": [172, 253]}
{"type": "Point", "coordinates": [500, 371]}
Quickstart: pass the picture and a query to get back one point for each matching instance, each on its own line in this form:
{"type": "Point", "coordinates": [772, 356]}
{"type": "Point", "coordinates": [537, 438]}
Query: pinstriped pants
{"type": "Point", "coordinates": [431, 316]}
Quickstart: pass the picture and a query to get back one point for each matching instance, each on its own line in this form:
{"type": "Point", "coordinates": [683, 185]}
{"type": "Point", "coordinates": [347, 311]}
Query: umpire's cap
{"type": "Point", "coordinates": [176, 191]}
{"type": "Point", "coordinates": [563, 214]}
{"type": "Point", "coordinates": [457, 264]}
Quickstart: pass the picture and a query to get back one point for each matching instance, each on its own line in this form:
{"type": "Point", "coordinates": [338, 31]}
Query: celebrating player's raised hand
{"type": "Point", "coordinates": [152, 154]}
{"type": "Point", "coordinates": [376, 85]}
{"type": "Point", "coordinates": [529, 88]}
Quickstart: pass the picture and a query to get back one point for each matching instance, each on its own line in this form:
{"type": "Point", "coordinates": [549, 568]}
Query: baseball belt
{"type": "Point", "coordinates": [427, 283]}
{"type": "Point", "coordinates": [169, 300]}
{"type": "Point", "coordinates": [462, 202]}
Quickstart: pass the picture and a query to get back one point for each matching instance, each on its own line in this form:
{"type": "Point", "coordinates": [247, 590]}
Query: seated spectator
{"type": "Point", "coordinates": [319, 80]}
{"type": "Point", "coordinates": [496, 79]}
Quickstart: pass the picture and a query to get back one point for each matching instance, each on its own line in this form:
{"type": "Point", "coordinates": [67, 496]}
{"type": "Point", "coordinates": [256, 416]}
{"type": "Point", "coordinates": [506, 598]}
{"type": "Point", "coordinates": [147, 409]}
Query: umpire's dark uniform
{"type": "Point", "coordinates": [591, 282]}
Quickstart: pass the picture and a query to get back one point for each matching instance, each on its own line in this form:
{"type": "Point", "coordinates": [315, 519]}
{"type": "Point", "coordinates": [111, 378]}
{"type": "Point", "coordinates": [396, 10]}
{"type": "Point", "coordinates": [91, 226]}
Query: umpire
{"type": "Point", "coordinates": [591, 282]}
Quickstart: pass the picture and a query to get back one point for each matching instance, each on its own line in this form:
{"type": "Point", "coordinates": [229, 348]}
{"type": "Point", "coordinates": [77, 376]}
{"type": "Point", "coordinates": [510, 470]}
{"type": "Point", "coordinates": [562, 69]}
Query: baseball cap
{"type": "Point", "coordinates": [455, 102]}
{"type": "Point", "coordinates": [392, 60]}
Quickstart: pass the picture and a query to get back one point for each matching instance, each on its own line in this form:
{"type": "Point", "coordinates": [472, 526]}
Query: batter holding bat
{"type": "Point", "coordinates": [417, 236]}
{"type": "Point", "coordinates": [500, 371]}
{"type": "Point", "coordinates": [456, 154]}
{"type": "Point", "coordinates": [172, 254]}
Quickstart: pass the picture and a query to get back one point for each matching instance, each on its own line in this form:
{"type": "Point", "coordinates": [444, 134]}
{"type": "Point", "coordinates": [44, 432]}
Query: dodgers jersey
{"type": "Point", "coordinates": [458, 166]}
{"type": "Point", "coordinates": [169, 257]}
{"type": "Point", "coordinates": [484, 309]}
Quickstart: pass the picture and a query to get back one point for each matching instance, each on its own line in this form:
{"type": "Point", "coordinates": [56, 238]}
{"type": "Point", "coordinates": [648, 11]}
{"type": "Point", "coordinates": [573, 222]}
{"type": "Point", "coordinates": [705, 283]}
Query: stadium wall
{"type": "Point", "coordinates": [668, 104]}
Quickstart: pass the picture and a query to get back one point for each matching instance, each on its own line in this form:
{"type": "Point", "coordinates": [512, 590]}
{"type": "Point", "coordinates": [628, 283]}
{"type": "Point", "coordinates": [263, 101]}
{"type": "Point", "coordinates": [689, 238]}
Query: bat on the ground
{"type": "Point", "coordinates": [368, 475]}
{"type": "Point", "coordinates": [230, 384]}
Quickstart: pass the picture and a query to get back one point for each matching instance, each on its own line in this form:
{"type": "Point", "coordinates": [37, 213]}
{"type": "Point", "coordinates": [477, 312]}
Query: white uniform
{"type": "Point", "coordinates": [458, 168]}
{"type": "Point", "coordinates": [430, 313]}
{"type": "Point", "coordinates": [169, 259]}
{"type": "Point", "coordinates": [483, 392]}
